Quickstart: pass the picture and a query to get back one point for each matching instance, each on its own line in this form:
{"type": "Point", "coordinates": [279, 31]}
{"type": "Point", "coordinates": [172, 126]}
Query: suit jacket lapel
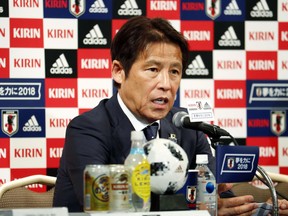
{"type": "Point", "coordinates": [121, 127]}
{"type": "Point", "coordinates": [169, 131]}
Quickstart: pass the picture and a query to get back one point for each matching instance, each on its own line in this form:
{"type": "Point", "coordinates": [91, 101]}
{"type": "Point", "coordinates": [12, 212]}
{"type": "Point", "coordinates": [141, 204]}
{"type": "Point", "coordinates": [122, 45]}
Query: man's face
{"type": "Point", "coordinates": [150, 89]}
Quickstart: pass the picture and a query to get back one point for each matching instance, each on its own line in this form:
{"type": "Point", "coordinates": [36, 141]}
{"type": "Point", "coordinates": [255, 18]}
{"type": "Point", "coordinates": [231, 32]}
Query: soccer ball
{"type": "Point", "coordinates": [169, 165]}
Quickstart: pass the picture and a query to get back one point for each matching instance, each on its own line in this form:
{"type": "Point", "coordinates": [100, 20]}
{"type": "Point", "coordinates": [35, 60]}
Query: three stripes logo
{"type": "Point", "coordinates": [179, 169]}
{"type": "Point", "coordinates": [261, 9]}
{"type": "Point", "coordinates": [197, 67]}
{"type": "Point", "coordinates": [32, 125]}
{"type": "Point", "coordinates": [229, 38]}
{"type": "Point", "coordinates": [98, 7]}
{"type": "Point", "coordinates": [130, 8]}
{"type": "Point", "coordinates": [95, 37]}
{"type": "Point", "coordinates": [233, 9]}
{"type": "Point", "coordinates": [61, 66]}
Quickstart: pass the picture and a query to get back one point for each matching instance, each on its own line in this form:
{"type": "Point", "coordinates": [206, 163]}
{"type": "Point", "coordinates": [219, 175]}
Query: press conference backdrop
{"type": "Point", "coordinates": [55, 64]}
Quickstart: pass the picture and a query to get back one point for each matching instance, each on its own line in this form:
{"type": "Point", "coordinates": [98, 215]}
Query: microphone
{"type": "Point", "coordinates": [181, 119]}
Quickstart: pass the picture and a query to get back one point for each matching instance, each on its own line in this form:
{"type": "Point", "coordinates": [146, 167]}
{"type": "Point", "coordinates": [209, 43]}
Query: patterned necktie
{"type": "Point", "coordinates": [151, 131]}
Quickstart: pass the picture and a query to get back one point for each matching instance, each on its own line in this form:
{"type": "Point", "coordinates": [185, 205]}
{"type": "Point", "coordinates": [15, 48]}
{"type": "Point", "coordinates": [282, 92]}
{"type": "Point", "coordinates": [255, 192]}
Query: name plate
{"type": "Point", "coordinates": [236, 163]}
{"type": "Point", "coordinates": [35, 212]}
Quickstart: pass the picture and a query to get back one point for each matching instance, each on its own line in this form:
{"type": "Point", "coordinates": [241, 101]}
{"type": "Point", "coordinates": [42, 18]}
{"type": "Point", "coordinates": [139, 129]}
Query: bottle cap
{"type": "Point", "coordinates": [137, 135]}
{"type": "Point", "coordinates": [201, 159]}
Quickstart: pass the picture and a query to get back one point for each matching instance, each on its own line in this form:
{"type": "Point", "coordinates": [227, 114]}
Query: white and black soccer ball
{"type": "Point", "coordinates": [169, 165]}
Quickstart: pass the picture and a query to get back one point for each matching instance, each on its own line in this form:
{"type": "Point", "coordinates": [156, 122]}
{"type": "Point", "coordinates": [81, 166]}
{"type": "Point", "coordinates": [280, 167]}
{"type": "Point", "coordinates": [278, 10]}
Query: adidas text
{"type": "Point", "coordinates": [98, 10]}
{"type": "Point", "coordinates": [197, 72]}
{"type": "Point", "coordinates": [229, 43]}
{"type": "Point", "coordinates": [261, 13]}
{"type": "Point", "coordinates": [131, 12]}
{"type": "Point", "coordinates": [32, 128]}
{"type": "Point", "coordinates": [95, 41]}
{"type": "Point", "coordinates": [61, 70]}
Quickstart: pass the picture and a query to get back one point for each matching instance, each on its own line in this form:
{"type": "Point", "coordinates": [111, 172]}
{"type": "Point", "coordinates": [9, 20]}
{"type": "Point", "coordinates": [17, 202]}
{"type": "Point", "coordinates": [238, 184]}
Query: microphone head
{"type": "Point", "coordinates": [177, 119]}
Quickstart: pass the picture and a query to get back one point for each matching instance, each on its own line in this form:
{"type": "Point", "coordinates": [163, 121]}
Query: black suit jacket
{"type": "Point", "coordinates": [102, 136]}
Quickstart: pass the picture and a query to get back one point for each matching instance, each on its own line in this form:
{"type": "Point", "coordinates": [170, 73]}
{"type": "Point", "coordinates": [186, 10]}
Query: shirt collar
{"type": "Point", "coordinates": [138, 125]}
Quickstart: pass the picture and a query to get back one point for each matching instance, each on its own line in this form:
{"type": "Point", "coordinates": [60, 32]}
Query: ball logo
{"type": "Point", "coordinates": [10, 122]}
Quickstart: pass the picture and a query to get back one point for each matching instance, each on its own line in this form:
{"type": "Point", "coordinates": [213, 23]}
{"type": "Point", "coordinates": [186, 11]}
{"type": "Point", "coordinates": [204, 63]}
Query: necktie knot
{"type": "Point", "coordinates": [150, 131]}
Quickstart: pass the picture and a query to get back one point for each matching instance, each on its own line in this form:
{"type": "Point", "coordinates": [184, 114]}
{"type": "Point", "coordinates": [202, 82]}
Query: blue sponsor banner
{"type": "Point", "coordinates": [22, 123]}
{"type": "Point", "coordinates": [236, 163]}
{"type": "Point", "coordinates": [268, 122]}
{"type": "Point", "coordinates": [22, 93]}
{"type": "Point", "coordinates": [267, 93]}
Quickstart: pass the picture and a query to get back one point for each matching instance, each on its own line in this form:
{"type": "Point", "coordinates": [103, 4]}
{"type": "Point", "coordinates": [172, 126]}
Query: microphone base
{"type": "Point", "coordinates": [169, 202]}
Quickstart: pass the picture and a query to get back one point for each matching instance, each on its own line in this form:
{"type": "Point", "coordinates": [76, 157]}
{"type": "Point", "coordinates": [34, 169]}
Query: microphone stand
{"type": "Point", "coordinates": [215, 140]}
{"type": "Point", "coordinates": [272, 190]}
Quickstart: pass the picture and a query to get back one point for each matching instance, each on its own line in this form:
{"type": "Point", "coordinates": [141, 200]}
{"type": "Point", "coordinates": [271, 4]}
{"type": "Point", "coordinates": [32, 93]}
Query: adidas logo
{"type": "Point", "coordinates": [197, 67]}
{"type": "Point", "coordinates": [179, 169]}
{"type": "Point", "coordinates": [129, 7]}
{"type": "Point", "coordinates": [32, 125]}
{"type": "Point", "coordinates": [261, 9]}
{"type": "Point", "coordinates": [233, 9]}
{"type": "Point", "coordinates": [98, 7]}
{"type": "Point", "coordinates": [229, 38]}
{"type": "Point", "coordinates": [61, 66]}
{"type": "Point", "coordinates": [95, 37]}
{"type": "Point", "coordinates": [207, 106]}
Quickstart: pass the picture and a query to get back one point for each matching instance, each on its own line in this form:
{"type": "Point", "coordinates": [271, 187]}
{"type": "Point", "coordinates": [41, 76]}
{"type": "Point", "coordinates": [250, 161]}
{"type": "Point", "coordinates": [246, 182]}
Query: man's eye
{"type": "Point", "coordinates": [153, 69]}
{"type": "Point", "coordinates": [175, 72]}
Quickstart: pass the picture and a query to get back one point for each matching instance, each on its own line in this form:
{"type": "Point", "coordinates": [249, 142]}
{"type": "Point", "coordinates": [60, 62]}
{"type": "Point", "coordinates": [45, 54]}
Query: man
{"type": "Point", "coordinates": [148, 58]}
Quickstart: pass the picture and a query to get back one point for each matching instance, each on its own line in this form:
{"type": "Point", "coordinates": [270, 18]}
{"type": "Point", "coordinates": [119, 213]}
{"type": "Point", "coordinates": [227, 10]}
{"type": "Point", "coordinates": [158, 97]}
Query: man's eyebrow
{"type": "Point", "coordinates": [153, 61]}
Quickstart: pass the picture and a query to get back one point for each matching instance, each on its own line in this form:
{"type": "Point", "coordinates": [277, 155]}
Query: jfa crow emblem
{"type": "Point", "coordinates": [213, 8]}
{"type": "Point", "coordinates": [191, 194]}
{"type": "Point", "coordinates": [230, 163]}
{"type": "Point", "coordinates": [10, 122]}
{"type": "Point", "coordinates": [278, 122]}
{"type": "Point", "coordinates": [77, 7]}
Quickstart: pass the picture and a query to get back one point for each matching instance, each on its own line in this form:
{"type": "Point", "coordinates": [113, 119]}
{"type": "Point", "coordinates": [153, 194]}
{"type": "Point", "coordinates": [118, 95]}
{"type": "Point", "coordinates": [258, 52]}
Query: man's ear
{"type": "Point", "coordinates": [117, 72]}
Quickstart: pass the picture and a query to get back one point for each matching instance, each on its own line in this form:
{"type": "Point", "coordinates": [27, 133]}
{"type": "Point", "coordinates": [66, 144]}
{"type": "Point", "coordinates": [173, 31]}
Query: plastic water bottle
{"type": "Point", "coordinates": [206, 186]}
{"type": "Point", "coordinates": [139, 178]}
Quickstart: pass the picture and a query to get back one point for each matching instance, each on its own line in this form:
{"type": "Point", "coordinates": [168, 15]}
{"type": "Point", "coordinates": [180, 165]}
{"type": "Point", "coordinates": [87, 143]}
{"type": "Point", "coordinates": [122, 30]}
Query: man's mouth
{"type": "Point", "coordinates": [161, 101]}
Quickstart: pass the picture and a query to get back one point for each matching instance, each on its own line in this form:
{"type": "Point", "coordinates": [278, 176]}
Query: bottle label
{"type": "Point", "coordinates": [141, 180]}
{"type": "Point", "coordinates": [206, 191]}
